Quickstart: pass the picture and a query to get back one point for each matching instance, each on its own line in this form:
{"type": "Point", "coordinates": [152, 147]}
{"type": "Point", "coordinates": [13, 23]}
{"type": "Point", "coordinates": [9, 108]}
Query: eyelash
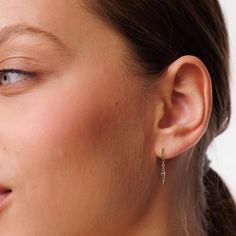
{"type": "Point", "coordinates": [28, 74]}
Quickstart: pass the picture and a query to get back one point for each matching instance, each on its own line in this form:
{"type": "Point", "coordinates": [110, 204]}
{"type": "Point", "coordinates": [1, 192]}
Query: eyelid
{"type": "Point", "coordinates": [24, 72]}
{"type": "Point", "coordinates": [28, 65]}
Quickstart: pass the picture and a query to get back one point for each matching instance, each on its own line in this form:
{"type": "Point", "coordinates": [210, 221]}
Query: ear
{"type": "Point", "coordinates": [183, 104]}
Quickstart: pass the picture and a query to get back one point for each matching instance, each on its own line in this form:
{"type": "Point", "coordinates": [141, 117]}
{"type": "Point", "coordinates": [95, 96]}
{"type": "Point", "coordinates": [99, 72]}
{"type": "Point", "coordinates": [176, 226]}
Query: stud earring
{"type": "Point", "coordinates": [163, 167]}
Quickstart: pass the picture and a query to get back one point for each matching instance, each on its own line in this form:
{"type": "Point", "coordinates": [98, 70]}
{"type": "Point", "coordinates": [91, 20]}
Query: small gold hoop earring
{"type": "Point", "coordinates": [163, 166]}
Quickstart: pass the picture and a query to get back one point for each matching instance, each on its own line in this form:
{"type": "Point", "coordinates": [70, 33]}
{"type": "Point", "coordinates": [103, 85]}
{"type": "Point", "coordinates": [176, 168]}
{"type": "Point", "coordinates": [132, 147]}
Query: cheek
{"type": "Point", "coordinates": [70, 119]}
{"type": "Point", "coordinates": [74, 139]}
{"type": "Point", "coordinates": [74, 128]}
{"type": "Point", "coordinates": [65, 121]}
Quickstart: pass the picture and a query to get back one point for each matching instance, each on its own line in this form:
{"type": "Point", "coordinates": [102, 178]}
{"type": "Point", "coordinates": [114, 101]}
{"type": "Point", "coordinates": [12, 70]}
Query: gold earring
{"type": "Point", "coordinates": [163, 167]}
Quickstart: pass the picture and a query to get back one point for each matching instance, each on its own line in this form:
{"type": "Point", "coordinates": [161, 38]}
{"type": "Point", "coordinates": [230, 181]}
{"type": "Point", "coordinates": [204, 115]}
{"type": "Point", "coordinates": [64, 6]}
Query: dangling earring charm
{"type": "Point", "coordinates": [163, 167]}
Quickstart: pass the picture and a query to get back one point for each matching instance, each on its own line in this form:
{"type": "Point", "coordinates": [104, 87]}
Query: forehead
{"type": "Point", "coordinates": [64, 18]}
{"type": "Point", "coordinates": [71, 22]}
{"type": "Point", "coordinates": [27, 9]}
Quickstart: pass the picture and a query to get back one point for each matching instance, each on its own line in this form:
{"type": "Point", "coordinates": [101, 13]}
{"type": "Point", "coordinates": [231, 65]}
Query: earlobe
{"type": "Point", "coordinates": [187, 103]}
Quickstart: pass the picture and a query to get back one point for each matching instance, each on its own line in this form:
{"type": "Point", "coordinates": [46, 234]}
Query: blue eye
{"type": "Point", "coordinates": [11, 76]}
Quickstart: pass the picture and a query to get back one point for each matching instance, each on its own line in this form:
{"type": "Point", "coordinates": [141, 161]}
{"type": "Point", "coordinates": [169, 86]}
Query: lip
{"type": "Point", "coordinates": [4, 197]}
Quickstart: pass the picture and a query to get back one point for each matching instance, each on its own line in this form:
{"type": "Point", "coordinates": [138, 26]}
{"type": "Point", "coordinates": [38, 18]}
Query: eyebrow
{"type": "Point", "coordinates": [19, 29]}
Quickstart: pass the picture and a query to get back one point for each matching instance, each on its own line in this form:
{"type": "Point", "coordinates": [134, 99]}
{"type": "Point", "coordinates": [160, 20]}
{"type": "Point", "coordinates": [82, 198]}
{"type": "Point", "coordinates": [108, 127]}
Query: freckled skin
{"type": "Point", "coordinates": [72, 143]}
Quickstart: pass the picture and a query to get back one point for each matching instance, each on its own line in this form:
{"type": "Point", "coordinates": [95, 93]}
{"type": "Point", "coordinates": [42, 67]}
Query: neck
{"type": "Point", "coordinates": [158, 218]}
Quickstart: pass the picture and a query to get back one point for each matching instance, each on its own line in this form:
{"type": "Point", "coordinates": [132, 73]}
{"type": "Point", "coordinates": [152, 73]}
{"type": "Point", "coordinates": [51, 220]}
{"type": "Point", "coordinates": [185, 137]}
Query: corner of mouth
{"type": "Point", "coordinates": [5, 191]}
{"type": "Point", "coordinates": [5, 197]}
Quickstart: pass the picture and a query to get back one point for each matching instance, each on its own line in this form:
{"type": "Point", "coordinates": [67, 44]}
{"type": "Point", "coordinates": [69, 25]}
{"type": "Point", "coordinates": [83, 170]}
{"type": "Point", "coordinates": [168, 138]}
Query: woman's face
{"type": "Point", "coordinates": [72, 136]}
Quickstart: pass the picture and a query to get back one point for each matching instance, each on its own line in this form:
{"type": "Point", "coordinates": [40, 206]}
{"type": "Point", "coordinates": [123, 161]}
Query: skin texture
{"type": "Point", "coordinates": [80, 141]}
